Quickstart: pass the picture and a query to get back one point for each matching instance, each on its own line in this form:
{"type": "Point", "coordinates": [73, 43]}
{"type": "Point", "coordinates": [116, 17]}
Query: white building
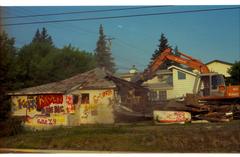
{"type": "Point", "coordinates": [172, 83]}
{"type": "Point", "coordinates": [220, 67]}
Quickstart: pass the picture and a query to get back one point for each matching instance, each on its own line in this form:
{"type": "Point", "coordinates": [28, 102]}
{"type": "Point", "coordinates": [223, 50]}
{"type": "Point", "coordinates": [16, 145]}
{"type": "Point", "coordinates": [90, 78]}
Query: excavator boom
{"type": "Point", "coordinates": [168, 55]}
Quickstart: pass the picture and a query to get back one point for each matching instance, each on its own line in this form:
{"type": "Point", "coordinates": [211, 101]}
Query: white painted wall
{"type": "Point", "coordinates": [181, 87]}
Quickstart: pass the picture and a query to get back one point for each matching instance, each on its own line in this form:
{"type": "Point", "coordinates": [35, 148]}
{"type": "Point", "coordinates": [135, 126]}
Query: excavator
{"type": "Point", "coordinates": [212, 87]}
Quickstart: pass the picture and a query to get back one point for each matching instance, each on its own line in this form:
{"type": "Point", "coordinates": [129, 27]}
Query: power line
{"type": "Point", "coordinates": [120, 16]}
{"type": "Point", "coordinates": [82, 12]}
{"type": "Point", "coordinates": [61, 27]}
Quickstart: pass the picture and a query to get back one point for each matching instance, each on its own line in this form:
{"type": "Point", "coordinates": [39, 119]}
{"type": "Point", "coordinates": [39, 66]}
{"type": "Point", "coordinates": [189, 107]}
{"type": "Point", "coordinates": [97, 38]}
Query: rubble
{"type": "Point", "coordinates": [202, 111]}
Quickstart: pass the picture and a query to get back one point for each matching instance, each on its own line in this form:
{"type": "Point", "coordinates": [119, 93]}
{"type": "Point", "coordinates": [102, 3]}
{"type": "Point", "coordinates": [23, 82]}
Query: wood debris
{"type": "Point", "coordinates": [203, 111]}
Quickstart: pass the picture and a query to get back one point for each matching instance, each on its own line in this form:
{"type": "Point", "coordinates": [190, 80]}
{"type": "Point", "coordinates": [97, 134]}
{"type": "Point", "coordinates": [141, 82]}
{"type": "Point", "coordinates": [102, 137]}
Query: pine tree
{"type": "Point", "coordinates": [42, 37]}
{"type": "Point", "coordinates": [161, 47]}
{"type": "Point", "coordinates": [103, 53]}
{"type": "Point", "coordinates": [37, 36]}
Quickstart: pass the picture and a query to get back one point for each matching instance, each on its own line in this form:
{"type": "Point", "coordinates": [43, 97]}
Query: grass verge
{"type": "Point", "coordinates": [209, 137]}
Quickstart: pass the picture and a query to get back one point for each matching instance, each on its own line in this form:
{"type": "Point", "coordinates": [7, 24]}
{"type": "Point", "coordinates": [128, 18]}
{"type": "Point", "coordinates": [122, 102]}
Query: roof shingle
{"type": "Point", "coordinates": [93, 79]}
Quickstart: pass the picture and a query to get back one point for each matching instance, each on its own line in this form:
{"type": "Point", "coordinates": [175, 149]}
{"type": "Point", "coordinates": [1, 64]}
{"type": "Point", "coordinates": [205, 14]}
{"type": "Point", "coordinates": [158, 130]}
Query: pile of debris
{"type": "Point", "coordinates": [202, 111]}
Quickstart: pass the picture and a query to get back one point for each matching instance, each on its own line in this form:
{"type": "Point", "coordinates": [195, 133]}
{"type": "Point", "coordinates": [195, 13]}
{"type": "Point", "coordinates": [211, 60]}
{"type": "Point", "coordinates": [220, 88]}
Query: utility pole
{"type": "Point", "coordinates": [109, 39]}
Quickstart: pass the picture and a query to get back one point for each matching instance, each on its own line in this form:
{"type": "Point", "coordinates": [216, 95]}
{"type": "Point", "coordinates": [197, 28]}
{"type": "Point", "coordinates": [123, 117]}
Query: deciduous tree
{"type": "Point", "coordinates": [234, 71]}
{"type": "Point", "coordinates": [7, 73]}
{"type": "Point", "coordinates": [41, 62]}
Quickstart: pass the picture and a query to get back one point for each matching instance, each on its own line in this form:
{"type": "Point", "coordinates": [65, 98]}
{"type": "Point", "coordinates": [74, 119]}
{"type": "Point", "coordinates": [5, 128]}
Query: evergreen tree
{"type": "Point", "coordinates": [161, 47]}
{"type": "Point", "coordinates": [42, 36]}
{"type": "Point", "coordinates": [37, 36]}
{"type": "Point", "coordinates": [103, 53]}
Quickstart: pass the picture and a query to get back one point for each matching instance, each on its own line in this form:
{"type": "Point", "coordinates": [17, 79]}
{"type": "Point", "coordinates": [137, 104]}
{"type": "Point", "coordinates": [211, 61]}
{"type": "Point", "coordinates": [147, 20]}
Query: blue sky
{"type": "Point", "coordinates": [205, 35]}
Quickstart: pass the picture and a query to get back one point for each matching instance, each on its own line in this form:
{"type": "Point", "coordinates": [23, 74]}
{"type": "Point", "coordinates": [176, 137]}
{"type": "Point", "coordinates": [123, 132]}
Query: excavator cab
{"type": "Point", "coordinates": [212, 84]}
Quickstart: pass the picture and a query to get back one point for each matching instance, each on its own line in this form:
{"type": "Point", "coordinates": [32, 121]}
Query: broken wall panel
{"type": "Point", "coordinates": [96, 106]}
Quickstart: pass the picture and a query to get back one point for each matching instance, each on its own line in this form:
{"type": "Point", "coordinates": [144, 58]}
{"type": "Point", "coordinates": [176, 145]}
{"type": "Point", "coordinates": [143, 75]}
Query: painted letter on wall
{"type": "Point", "coordinates": [70, 105]}
{"type": "Point", "coordinates": [46, 100]}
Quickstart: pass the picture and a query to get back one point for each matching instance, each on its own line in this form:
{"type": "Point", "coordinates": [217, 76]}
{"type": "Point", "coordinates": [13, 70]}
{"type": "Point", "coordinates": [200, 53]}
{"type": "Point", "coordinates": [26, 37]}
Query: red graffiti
{"type": "Point", "coordinates": [70, 106]}
{"type": "Point", "coordinates": [107, 93]}
{"type": "Point", "coordinates": [46, 100]}
{"type": "Point", "coordinates": [96, 98]}
{"type": "Point", "coordinates": [69, 99]}
{"type": "Point", "coordinates": [180, 116]}
{"type": "Point", "coordinates": [49, 121]}
{"type": "Point", "coordinates": [53, 109]}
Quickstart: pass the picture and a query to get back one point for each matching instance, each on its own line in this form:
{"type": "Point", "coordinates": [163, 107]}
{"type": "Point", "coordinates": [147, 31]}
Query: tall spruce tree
{"type": "Point", "coordinates": [161, 47]}
{"type": "Point", "coordinates": [103, 53]}
{"type": "Point", "coordinates": [37, 36]}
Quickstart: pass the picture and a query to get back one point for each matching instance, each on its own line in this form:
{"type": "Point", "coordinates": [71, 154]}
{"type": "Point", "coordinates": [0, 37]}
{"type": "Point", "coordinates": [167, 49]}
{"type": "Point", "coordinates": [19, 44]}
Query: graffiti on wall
{"type": "Point", "coordinates": [46, 121]}
{"type": "Point", "coordinates": [41, 110]}
{"type": "Point", "coordinates": [46, 100]}
{"type": "Point", "coordinates": [100, 96]}
{"type": "Point", "coordinates": [55, 108]}
{"type": "Point", "coordinates": [29, 103]}
{"type": "Point", "coordinates": [44, 104]}
{"type": "Point", "coordinates": [89, 109]}
{"type": "Point", "coordinates": [21, 103]}
{"type": "Point", "coordinates": [54, 120]}
{"type": "Point", "coordinates": [98, 99]}
{"type": "Point", "coordinates": [70, 105]}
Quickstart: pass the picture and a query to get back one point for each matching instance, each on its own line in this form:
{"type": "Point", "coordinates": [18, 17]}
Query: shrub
{"type": "Point", "coordinates": [11, 126]}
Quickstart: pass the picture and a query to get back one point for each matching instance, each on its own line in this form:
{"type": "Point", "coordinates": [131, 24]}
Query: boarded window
{"type": "Point", "coordinates": [162, 95]}
{"type": "Point", "coordinates": [85, 98]}
{"type": "Point", "coordinates": [181, 76]}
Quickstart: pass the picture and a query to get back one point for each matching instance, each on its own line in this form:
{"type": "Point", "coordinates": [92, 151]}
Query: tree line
{"type": "Point", "coordinates": [41, 62]}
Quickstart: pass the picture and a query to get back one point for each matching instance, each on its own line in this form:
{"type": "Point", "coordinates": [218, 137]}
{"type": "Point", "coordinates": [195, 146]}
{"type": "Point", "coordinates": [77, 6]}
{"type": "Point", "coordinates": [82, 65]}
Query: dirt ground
{"type": "Point", "coordinates": [138, 137]}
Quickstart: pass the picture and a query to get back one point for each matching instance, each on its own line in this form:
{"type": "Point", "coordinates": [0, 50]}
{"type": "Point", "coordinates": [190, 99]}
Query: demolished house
{"type": "Point", "coordinates": [170, 83]}
{"type": "Point", "coordinates": [93, 97]}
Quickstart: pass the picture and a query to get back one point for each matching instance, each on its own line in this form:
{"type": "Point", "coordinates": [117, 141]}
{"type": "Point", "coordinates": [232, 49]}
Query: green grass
{"type": "Point", "coordinates": [210, 137]}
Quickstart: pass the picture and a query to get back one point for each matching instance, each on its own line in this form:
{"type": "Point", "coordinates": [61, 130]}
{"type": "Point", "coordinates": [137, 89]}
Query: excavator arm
{"type": "Point", "coordinates": [167, 55]}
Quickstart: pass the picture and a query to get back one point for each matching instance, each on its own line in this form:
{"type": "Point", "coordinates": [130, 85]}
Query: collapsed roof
{"type": "Point", "coordinates": [93, 79]}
